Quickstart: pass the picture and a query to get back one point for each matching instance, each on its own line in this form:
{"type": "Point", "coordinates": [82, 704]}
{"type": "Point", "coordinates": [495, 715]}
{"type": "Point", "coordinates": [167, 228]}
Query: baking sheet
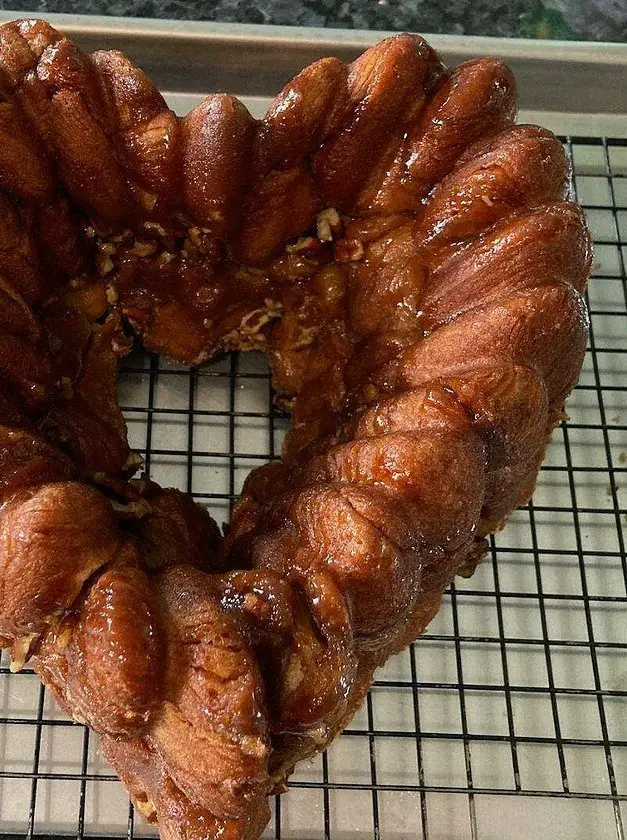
{"type": "Point", "coordinates": [507, 720]}
{"type": "Point", "coordinates": [250, 60]}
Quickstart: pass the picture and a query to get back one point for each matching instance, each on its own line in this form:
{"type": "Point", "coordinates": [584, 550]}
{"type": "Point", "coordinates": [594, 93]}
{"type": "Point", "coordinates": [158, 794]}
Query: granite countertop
{"type": "Point", "coordinates": [591, 20]}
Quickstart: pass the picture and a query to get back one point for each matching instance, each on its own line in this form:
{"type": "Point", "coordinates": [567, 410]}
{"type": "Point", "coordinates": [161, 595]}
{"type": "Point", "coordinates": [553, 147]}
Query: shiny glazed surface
{"type": "Point", "coordinates": [408, 259]}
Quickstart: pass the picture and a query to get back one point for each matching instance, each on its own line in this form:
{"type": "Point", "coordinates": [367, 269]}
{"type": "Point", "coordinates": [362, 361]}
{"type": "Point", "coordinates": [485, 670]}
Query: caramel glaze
{"type": "Point", "coordinates": [409, 261]}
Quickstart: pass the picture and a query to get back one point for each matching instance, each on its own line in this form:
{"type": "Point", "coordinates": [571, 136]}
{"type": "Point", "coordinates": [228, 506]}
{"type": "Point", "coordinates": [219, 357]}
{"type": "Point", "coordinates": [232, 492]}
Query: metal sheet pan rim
{"type": "Point", "coordinates": [252, 61]}
{"type": "Point", "coordinates": [326, 39]}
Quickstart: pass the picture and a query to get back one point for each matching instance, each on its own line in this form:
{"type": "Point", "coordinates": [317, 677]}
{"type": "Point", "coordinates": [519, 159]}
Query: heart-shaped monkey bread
{"type": "Point", "coordinates": [409, 261]}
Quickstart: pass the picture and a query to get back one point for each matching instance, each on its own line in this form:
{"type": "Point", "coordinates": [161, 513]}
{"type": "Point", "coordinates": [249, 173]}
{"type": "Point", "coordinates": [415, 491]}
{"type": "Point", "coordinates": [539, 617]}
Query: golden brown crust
{"type": "Point", "coordinates": [408, 260]}
{"type": "Point", "coordinates": [103, 660]}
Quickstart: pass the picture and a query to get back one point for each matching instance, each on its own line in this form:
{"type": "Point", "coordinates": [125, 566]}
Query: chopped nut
{"type": "Point", "coordinates": [487, 200]}
{"type": "Point", "coordinates": [248, 335]}
{"type": "Point", "coordinates": [302, 245]}
{"type": "Point", "coordinates": [156, 227]}
{"type": "Point", "coordinates": [328, 224]}
{"type": "Point", "coordinates": [105, 264]}
{"type": "Point", "coordinates": [237, 340]}
{"type": "Point", "coordinates": [201, 242]}
{"type": "Point", "coordinates": [196, 234]}
{"type": "Point", "coordinates": [144, 249]}
{"type": "Point", "coordinates": [111, 294]}
{"type": "Point", "coordinates": [323, 228]}
{"type": "Point", "coordinates": [146, 199]}
{"type": "Point", "coordinates": [272, 310]}
{"type": "Point", "coordinates": [253, 329]}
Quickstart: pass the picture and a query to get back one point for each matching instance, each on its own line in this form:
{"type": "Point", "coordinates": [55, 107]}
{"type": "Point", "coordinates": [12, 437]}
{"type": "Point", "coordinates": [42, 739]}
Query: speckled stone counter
{"type": "Point", "coordinates": [563, 19]}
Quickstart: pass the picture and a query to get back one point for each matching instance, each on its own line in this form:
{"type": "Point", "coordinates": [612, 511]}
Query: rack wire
{"type": "Point", "coordinates": [507, 719]}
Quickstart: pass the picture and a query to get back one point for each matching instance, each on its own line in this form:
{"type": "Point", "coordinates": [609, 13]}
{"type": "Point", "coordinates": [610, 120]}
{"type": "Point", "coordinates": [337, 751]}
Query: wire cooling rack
{"type": "Point", "coordinates": [507, 719]}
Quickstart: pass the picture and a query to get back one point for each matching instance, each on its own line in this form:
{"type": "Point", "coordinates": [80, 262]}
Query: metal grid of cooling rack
{"type": "Point", "coordinates": [508, 719]}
